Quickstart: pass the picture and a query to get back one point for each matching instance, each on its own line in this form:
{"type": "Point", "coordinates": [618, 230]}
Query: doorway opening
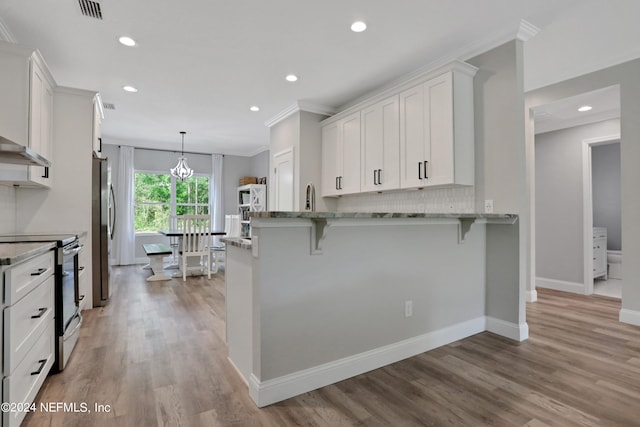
{"type": "Point", "coordinates": [566, 133]}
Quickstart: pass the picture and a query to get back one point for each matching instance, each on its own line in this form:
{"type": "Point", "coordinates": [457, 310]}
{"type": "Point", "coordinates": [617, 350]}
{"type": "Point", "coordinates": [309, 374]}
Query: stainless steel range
{"type": "Point", "coordinates": [68, 318]}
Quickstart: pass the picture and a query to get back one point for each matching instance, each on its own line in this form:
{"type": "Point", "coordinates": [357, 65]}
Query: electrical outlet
{"type": "Point", "coordinates": [488, 206]}
{"type": "Point", "coordinates": [408, 308]}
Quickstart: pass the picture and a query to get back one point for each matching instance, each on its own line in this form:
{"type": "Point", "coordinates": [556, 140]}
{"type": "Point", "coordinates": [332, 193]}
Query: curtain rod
{"type": "Point", "coordinates": [169, 151]}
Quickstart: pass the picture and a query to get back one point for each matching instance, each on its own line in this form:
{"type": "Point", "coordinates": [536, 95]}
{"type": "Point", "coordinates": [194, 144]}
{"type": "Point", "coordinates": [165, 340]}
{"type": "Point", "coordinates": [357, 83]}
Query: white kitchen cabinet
{"type": "Point", "coordinates": [436, 131]}
{"type": "Point", "coordinates": [380, 154]}
{"type": "Point", "coordinates": [600, 252]}
{"type": "Point", "coordinates": [26, 111]}
{"type": "Point", "coordinates": [97, 126]}
{"type": "Point", "coordinates": [84, 275]}
{"type": "Point", "coordinates": [29, 330]}
{"type": "Point", "coordinates": [341, 156]}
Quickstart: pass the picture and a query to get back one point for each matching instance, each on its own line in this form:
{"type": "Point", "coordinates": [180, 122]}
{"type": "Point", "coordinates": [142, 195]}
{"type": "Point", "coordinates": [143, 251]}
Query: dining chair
{"type": "Point", "coordinates": [218, 251]}
{"type": "Point", "coordinates": [195, 241]}
{"type": "Point", "coordinates": [175, 223]}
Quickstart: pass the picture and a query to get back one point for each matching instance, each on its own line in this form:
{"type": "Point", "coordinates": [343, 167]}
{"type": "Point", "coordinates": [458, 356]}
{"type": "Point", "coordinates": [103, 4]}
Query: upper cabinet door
{"type": "Point", "coordinates": [26, 111]}
{"type": "Point", "coordinates": [329, 160]}
{"type": "Point", "coordinates": [413, 144]}
{"type": "Point", "coordinates": [439, 131]}
{"type": "Point", "coordinates": [349, 155]}
{"type": "Point", "coordinates": [40, 122]}
{"type": "Point", "coordinates": [380, 160]}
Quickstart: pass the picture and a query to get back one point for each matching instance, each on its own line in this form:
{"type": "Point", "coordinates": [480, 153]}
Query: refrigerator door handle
{"type": "Point", "coordinates": [113, 212]}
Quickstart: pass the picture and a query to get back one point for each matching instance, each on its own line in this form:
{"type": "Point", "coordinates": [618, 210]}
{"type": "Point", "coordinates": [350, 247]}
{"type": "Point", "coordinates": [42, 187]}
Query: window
{"type": "Point", "coordinates": [157, 195]}
{"type": "Point", "coordinates": [192, 196]}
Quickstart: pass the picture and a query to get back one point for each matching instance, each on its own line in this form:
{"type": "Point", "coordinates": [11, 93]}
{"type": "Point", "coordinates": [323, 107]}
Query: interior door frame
{"type": "Point", "coordinates": [587, 205]}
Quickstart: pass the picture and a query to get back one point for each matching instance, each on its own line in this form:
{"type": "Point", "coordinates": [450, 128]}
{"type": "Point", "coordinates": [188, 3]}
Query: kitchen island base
{"type": "Point", "coordinates": [321, 297]}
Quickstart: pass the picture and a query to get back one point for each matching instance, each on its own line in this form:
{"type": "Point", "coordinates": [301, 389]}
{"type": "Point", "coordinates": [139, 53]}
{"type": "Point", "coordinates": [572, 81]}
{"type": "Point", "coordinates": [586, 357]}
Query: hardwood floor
{"type": "Point", "coordinates": [157, 356]}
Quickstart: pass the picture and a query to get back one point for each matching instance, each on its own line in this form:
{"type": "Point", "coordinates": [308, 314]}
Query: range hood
{"type": "Point", "coordinates": [16, 154]}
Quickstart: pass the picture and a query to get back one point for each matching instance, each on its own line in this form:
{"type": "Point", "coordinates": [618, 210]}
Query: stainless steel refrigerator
{"type": "Point", "coordinates": [103, 218]}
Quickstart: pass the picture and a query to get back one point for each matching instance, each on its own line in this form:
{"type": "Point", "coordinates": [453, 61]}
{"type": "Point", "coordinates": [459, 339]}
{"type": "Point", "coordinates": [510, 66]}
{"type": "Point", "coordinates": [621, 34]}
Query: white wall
{"type": "Point", "coordinates": [605, 173]}
{"type": "Point", "coordinates": [559, 205]}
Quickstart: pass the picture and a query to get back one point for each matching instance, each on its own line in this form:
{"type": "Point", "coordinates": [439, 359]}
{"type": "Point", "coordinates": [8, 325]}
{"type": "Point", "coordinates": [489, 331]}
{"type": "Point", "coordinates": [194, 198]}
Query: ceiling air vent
{"type": "Point", "coordinates": [108, 106]}
{"type": "Point", "coordinates": [90, 8]}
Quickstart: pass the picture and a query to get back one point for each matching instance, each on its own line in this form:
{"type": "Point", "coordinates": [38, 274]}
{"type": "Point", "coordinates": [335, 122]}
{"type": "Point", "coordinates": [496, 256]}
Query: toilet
{"type": "Point", "coordinates": [614, 262]}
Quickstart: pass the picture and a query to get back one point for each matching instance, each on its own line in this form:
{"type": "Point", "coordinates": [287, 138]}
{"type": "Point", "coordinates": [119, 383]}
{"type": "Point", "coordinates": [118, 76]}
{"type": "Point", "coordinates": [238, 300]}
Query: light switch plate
{"type": "Point", "coordinates": [488, 206]}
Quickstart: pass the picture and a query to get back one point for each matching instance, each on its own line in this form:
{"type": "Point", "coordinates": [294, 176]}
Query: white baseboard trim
{"type": "Point", "coordinates": [514, 331]}
{"type": "Point", "coordinates": [630, 316]}
{"type": "Point", "coordinates": [560, 285]}
{"type": "Point", "coordinates": [238, 371]}
{"type": "Point", "coordinates": [275, 390]}
{"type": "Point", "coordinates": [532, 296]}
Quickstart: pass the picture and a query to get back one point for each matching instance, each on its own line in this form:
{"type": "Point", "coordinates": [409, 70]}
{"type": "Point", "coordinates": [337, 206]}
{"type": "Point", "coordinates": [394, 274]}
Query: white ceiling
{"type": "Point", "coordinates": [604, 103]}
{"type": "Point", "coordinates": [200, 64]}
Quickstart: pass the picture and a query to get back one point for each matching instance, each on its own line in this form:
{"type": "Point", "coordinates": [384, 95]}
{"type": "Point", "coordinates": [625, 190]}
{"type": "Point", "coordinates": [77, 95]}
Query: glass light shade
{"type": "Point", "coordinates": [182, 170]}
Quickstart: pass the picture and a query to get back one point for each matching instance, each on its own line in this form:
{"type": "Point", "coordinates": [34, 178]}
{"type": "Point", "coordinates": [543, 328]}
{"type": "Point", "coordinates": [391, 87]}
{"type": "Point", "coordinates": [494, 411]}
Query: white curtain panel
{"type": "Point", "coordinates": [216, 194]}
{"type": "Point", "coordinates": [125, 236]}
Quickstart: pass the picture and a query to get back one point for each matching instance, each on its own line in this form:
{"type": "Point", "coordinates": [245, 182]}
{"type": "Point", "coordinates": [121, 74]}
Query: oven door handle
{"type": "Point", "coordinates": [73, 251]}
{"type": "Point", "coordinates": [69, 334]}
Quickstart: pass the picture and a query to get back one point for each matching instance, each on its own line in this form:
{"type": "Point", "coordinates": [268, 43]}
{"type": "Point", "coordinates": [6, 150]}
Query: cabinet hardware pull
{"type": "Point", "coordinates": [337, 183]}
{"type": "Point", "coordinates": [81, 297]}
{"type": "Point", "coordinates": [41, 312]}
{"type": "Point", "coordinates": [80, 268]}
{"type": "Point", "coordinates": [419, 170]}
{"type": "Point", "coordinates": [425, 169]}
{"type": "Point", "coordinates": [379, 175]}
{"type": "Point", "coordinates": [39, 272]}
{"type": "Point", "coordinates": [340, 182]}
{"type": "Point", "coordinates": [42, 362]}
{"type": "Point", "coordinates": [46, 172]}
{"type": "Point", "coordinates": [375, 181]}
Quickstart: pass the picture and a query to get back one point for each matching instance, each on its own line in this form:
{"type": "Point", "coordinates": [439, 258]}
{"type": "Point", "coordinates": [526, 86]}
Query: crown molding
{"type": "Point", "coordinates": [526, 31]}
{"type": "Point", "coordinates": [299, 106]}
{"type": "Point", "coordinates": [5, 33]}
{"type": "Point", "coordinates": [520, 32]}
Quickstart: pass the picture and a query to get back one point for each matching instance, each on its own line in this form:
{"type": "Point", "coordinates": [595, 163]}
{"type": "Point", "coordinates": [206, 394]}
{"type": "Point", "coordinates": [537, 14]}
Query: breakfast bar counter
{"type": "Point", "coordinates": [318, 297]}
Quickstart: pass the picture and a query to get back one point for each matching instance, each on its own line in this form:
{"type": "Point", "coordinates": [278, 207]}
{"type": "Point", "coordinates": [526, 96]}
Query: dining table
{"type": "Point", "coordinates": [194, 268]}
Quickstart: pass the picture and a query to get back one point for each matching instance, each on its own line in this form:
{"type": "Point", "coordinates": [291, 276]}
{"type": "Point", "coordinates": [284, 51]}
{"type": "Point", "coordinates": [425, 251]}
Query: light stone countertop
{"type": "Point", "coordinates": [13, 253]}
{"type": "Point", "coordinates": [331, 215]}
{"type": "Point", "coordinates": [237, 241]}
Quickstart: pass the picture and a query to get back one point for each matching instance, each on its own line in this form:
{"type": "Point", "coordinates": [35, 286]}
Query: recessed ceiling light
{"type": "Point", "coordinates": [291, 78]}
{"type": "Point", "coordinates": [130, 88]}
{"type": "Point", "coordinates": [254, 108]}
{"type": "Point", "coordinates": [585, 108]}
{"type": "Point", "coordinates": [358, 27]}
{"type": "Point", "coordinates": [127, 41]}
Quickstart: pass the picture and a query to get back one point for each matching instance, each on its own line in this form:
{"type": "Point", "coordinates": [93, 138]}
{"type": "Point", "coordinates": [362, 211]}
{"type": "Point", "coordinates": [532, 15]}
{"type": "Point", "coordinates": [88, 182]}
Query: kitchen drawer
{"type": "Point", "coordinates": [23, 384]}
{"type": "Point", "coordinates": [21, 279]}
{"type": "Point", "coordinates": [24, 322]}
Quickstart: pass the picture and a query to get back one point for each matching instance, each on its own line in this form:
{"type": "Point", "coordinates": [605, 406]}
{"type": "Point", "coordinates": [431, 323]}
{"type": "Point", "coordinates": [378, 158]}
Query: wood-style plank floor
{"type": "Point", "coordinates": [156, 354]}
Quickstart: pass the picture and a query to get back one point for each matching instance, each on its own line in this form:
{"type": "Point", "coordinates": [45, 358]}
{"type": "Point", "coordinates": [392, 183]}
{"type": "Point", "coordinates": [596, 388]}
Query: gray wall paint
{"type": "Point", "coordinates": [260, 165]}
{"type": "Point", "coordinates": [559, 189]}
{"type": "Point", "coordinates": [625, 75]}
{"type": "Point", "coordinates": [7, 209]}
{"type": "Point", "coordinates": [605, 175]}
{"type": "Point", "coordinates": [302, 131]}
{"type": "Point", "coordinates": [500, 156]}
{"type": "Point", "coordinates": [499, 128]}
{"type": "Point", "coordinates": [234, 167]}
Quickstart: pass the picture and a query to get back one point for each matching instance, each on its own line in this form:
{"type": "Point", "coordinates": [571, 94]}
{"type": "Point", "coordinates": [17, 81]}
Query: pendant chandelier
{"type": "Point", "coordinates": [182, 170]}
